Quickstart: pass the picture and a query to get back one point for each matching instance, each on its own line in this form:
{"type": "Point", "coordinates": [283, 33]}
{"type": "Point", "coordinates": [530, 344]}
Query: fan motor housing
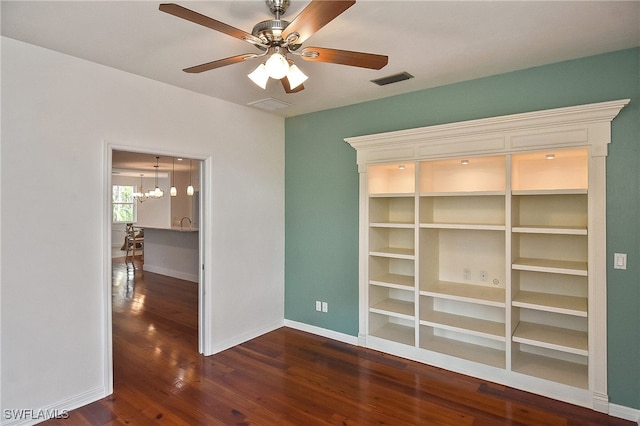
{"type": "Point", "coordinates": [270, 31]}
{"type": "Point", "coordinates": [277, 6]}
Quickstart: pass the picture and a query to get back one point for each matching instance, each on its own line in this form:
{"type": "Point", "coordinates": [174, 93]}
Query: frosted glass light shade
{"type": "Point", "coordinates": [295, 76]}
{"type": "Point", "coordinates": [173, 191]}
{"type": "Point", "coordinates": [260, 76]}
{"type": "Point", "coordinates": [277, 66]}
{"type": "Point", "coordinates": [190, 190]}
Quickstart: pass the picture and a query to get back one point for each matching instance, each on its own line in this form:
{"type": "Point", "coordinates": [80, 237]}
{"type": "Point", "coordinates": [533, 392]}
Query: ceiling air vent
{"type": "Point", "coordinates": [269, 104]}
{"type": "Point", "coordinates": [392, 78]}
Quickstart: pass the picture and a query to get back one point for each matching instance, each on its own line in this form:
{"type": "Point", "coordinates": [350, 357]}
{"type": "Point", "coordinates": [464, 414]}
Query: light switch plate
{"type": "Point", "coordinates": [619, 261]}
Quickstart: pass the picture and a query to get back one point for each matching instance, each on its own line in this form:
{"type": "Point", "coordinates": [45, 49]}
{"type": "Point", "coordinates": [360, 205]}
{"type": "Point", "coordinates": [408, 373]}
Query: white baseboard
{"type": "Point", "coordinates": [60, 409]}
{"type": "Point", "coordinates": [171, 273]}
{"type": "Point", "coordinates": [341, 337]}
{"type": "Point", "coordinates": [623, 412]}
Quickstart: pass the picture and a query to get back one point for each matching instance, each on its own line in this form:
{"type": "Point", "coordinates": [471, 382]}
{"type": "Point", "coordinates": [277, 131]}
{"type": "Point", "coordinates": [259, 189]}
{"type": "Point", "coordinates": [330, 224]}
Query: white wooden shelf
{"type": "Point", "coordinates": [394, 252]}
{"type": "Point", "coordinates": [556, 230]}
{"type": "Point", "coordinates": [552, 266]}
{"type": "Point", "coordinates": [462, 193]}
{"type": "Point", "coordinates": [483, 295]}
{"type": "Point", "coordinates": [561, 304]}
{"type": "Point", "coordinates": [556, 370]}
{"type": "Point", "coordinates": [402, 282]}
{"type": "Point", "coordinates": [464, 226]}
{"type": "Point", "coordinates": [395, 308]}
{"type": "Point", "coordinates": [396, 333]}
{"type": "Point", "coordinates": [556, 338]}
{"type": "Point", "coordinates": [393, 195]}
{"type": "Point", "coordinates": [572, 191]}
{"type": "Point", "coordinates": [407, 225]}
{"type": "Point", "coordinates": [461, 324]}
{"type": "Point", "coordinates": [469, 351]}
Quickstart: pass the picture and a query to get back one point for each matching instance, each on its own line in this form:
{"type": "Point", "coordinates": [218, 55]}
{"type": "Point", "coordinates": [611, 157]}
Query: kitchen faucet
{"type": "Point", "coordinates": [181, 220]}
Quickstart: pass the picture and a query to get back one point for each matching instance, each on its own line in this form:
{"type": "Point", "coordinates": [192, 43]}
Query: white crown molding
{"type": "Point", "coordinates": [568, 126]}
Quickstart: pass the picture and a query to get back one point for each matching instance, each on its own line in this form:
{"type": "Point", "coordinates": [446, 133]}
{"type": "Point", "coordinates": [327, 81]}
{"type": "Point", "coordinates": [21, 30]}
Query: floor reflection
{"type": "Point", "coordinates": [155, 320]}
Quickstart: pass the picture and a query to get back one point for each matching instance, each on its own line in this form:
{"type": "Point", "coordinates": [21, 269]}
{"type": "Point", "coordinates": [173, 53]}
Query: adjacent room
{"type": "Point", "coordinates": [431, 218]}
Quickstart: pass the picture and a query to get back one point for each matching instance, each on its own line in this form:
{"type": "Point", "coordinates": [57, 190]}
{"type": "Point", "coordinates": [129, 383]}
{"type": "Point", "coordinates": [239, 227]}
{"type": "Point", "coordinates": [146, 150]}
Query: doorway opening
{"type": "Point", "coordinates": [170, 245]}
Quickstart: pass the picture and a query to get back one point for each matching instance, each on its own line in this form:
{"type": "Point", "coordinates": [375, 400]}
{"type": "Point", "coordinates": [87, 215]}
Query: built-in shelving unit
{"type": "Point", "coordinates": [550, 243]}
{"type": "Point", "coordinates": [392, 252]}
{"type": "Point", "coordinates": [483, 248]}
{"type": "Point", "coordinates": [461, 263]}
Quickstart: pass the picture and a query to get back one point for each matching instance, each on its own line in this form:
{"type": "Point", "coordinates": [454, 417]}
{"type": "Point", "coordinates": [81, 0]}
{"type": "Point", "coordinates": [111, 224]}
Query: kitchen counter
{"type": "Point", "coordinates": [173, 228]}
{"type": "Point", "coordinates": [172, 251]}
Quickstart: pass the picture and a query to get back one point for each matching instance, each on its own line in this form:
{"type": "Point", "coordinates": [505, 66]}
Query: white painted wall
{"type": "Point", "coordinates": [57, 112]}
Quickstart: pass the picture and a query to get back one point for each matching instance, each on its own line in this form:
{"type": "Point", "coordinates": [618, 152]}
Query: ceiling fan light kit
{"type": "Point", "coordinates": [295, 77]}
{"type": "Point", "coordinates": [260, 76]}
{"type": "Point", "coordinates": [277, 66]}
{"type": "Point", "coordinates": [278, 38]}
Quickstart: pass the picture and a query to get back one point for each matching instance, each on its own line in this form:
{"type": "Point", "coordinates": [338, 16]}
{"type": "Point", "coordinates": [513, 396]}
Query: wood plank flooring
{"type": "Point", "coordinates": [286, 377]}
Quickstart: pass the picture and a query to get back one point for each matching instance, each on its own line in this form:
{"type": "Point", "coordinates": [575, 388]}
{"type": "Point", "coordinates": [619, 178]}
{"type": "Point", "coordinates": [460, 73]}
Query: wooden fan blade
{"type": "Point", "coordinates": [190, 15]}
{"type": "Point", "coordinates": [219, 63]}
{"type": "Point", "coordinates": [287, 86]}
{"type": "Point", "coordinates": [346, 57]}
{"type": "Point", "coordinates": [316, 15]}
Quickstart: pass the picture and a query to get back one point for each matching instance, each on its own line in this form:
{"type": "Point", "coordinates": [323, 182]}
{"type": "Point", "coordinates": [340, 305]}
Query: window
{"type": "Point", "coordinates": [123, 203]}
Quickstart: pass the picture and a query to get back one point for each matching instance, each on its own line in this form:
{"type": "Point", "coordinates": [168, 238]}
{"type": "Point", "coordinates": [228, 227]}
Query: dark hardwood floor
{"type": "Point", "coordinates": [286, 377]}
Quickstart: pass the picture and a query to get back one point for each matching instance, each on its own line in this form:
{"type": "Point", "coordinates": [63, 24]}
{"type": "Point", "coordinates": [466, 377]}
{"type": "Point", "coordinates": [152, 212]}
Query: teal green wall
{"type": "Point", "coordinates": [322, 189]}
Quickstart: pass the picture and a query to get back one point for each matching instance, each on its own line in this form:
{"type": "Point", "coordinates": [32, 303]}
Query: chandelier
{"type": "Point", "coordinates": [155, 193]}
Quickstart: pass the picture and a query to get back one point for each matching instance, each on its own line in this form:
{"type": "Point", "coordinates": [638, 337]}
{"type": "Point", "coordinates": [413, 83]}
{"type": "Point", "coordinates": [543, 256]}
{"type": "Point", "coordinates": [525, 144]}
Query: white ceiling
{"type": "Point", "coordinates": [437, 42]}
{"type": "Point", "coordinates": [134, 163]}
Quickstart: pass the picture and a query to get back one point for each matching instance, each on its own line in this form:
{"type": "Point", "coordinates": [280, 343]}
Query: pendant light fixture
{"type": "Point", "coordinates": [190, 187]}
{"type": "Point", "coordinates": [157, 192]}
{"type": "Point", "coordinates": [173, 191]}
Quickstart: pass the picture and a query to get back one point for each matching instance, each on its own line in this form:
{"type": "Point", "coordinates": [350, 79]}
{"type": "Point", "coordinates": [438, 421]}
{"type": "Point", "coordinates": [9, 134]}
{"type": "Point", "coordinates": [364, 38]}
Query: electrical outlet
{"type": "Point", "coordinates": [483, 276]}
{"type": "Point", "coordinates": [318, 305]}
{"type": "Point", "coordinates": [325, 307]}
{"type": "Point", "coordinates": [466, 273]}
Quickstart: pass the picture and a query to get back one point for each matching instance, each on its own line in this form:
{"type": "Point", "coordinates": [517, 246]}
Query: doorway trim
{"type": "Point", "coordinates": [204, 246]}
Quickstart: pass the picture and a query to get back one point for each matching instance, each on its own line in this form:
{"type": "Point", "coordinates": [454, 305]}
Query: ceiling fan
{"type": "Point", "coordinates": [277, 39]}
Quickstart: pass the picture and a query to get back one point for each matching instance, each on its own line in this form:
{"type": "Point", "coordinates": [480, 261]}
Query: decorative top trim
{"type": "Point", "coordinates": [555, 128]}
